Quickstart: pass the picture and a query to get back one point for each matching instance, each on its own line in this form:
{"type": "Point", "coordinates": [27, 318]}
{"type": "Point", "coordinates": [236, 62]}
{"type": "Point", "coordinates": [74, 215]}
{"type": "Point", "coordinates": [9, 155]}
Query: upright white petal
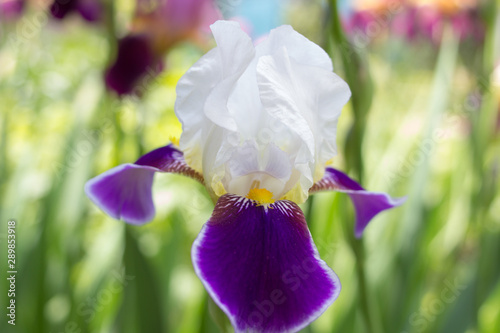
{"type": "Point", "coordinates": [209, 79]}
{"type": "Point", "coordinates": [299, 48]}
{"type": "Point", "coordinates": [262, 116]}
{"type": "Point", "coordinates": [192, 91]}
{"type": "Point", "coordinates": [236, 51]}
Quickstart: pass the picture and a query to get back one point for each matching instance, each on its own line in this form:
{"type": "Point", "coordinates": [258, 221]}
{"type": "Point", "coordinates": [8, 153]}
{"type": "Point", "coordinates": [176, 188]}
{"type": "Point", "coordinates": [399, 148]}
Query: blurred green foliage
{"type": "Point", "coordinates": [432, 265]}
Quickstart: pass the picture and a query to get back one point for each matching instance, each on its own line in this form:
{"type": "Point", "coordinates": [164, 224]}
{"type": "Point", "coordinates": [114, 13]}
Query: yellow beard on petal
{"type": "Point", "coordinates": [296, 194]}
{"type": "Point", "coordinates": [218, 189]}
{"type": "Point", "coordinates": [261, 196]}
{"type": "Point", "coordinates": [174, 140]}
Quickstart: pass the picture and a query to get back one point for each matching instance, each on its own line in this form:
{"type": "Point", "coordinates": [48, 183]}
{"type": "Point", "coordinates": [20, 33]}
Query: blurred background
{"type": "Point", "coordinates": [89, 84]}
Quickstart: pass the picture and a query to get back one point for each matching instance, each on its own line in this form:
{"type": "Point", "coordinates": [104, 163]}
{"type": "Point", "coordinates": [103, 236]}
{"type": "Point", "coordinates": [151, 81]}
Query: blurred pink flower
{"type": "Point", "coordinates": [11, 9]}
{"type": "Point", "coordinates": [359, 22]}
{"type": "Point", "coordinates": [427, 20]}
{"type": "Point", "coordinates": [403, 24]}
{"type": "Point", "coordinates": [414, 19]}
{"type": "Point", "coordinates": [468, 24]}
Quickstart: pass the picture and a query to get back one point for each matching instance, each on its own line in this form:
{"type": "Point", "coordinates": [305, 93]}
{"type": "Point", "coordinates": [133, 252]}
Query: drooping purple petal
{"type": "Point", "coordinates": [169, 159]}
{"type": "Point", "coordinates": [367, 204]}
{"type": "Point", "coordinates": [124, 192]}
{"type": "Point", "coordinates": [134, 58]}
{"type": "Point", "coordinates": [260, 265]}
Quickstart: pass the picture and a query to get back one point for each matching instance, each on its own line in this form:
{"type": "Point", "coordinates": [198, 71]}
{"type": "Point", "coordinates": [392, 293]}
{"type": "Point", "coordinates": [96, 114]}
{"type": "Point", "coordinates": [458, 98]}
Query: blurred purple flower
{"type": "Point", "coordinates": [413, 19]}
{"type": "Point", "coordinates": [468, 24]}
{"type": "Point", "coordinates": [157, 26]}
{"type": "Point", "coordinates": [90, 10]}
{"type": "Point", "coordinates": [135, 56]}
{"type": "Point", "coordinates": [429, 22]}
{"type": "Point", "coordinates": [359, 21]}
{"type": "Point", "coordinates": [403, 25]}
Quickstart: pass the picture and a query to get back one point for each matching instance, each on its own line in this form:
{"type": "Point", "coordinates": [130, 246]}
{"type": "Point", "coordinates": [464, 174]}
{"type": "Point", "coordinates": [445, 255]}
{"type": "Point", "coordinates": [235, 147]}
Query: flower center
{"type": "Point", "coordinates": [261, 196]}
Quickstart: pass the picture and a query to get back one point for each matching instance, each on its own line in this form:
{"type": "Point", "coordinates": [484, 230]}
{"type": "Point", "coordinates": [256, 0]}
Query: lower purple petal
{"type": "Point", "coordinates": [367, 204]}
{"type": "Point", "coordinates": [125, 192]}
{"type": "Point", "coordinates": [260, 265]}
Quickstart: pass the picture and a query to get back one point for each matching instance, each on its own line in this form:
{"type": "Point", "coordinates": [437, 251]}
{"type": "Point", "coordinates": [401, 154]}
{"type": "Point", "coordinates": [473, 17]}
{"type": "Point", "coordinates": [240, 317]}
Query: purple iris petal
{"type": "Point", "coordinates": [367, 204]}
{"type": "Point", "coordinates": [134, 58]}
{"type": "Point", "coordinates": [169, 159]}
{"type": "Point", "coordinates": [260, 265]}
{"type": "Point", "coordinates": [124, 192]}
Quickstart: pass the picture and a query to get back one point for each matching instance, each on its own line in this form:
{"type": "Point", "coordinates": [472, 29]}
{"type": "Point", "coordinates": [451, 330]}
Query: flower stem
{"type": "Point", "coordinates": [482, 136]}
{"type": "Point", "coordinates": [358, 77]}
{"type": "Point", "coordinates": [308, 215]}
{"type": "Point", "coordinates": [358, 249]}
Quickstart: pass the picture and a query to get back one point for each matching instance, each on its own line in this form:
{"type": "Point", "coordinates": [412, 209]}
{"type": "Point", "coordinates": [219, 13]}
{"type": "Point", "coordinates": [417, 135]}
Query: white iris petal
{"type": "Point", "coordinates": [252, 167]}
{"type": "Point", "coordinates": [263, 116]}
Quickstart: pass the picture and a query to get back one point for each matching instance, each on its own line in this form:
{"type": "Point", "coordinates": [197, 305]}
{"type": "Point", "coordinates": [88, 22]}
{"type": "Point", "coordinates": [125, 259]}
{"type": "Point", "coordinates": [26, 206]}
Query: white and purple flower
{"type": "Point", "coordinates": [259, 125]}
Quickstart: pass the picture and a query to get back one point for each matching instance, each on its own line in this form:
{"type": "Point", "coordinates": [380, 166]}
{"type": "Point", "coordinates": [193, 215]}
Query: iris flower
{"type": "Point", "coordinates": [259, 126]}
